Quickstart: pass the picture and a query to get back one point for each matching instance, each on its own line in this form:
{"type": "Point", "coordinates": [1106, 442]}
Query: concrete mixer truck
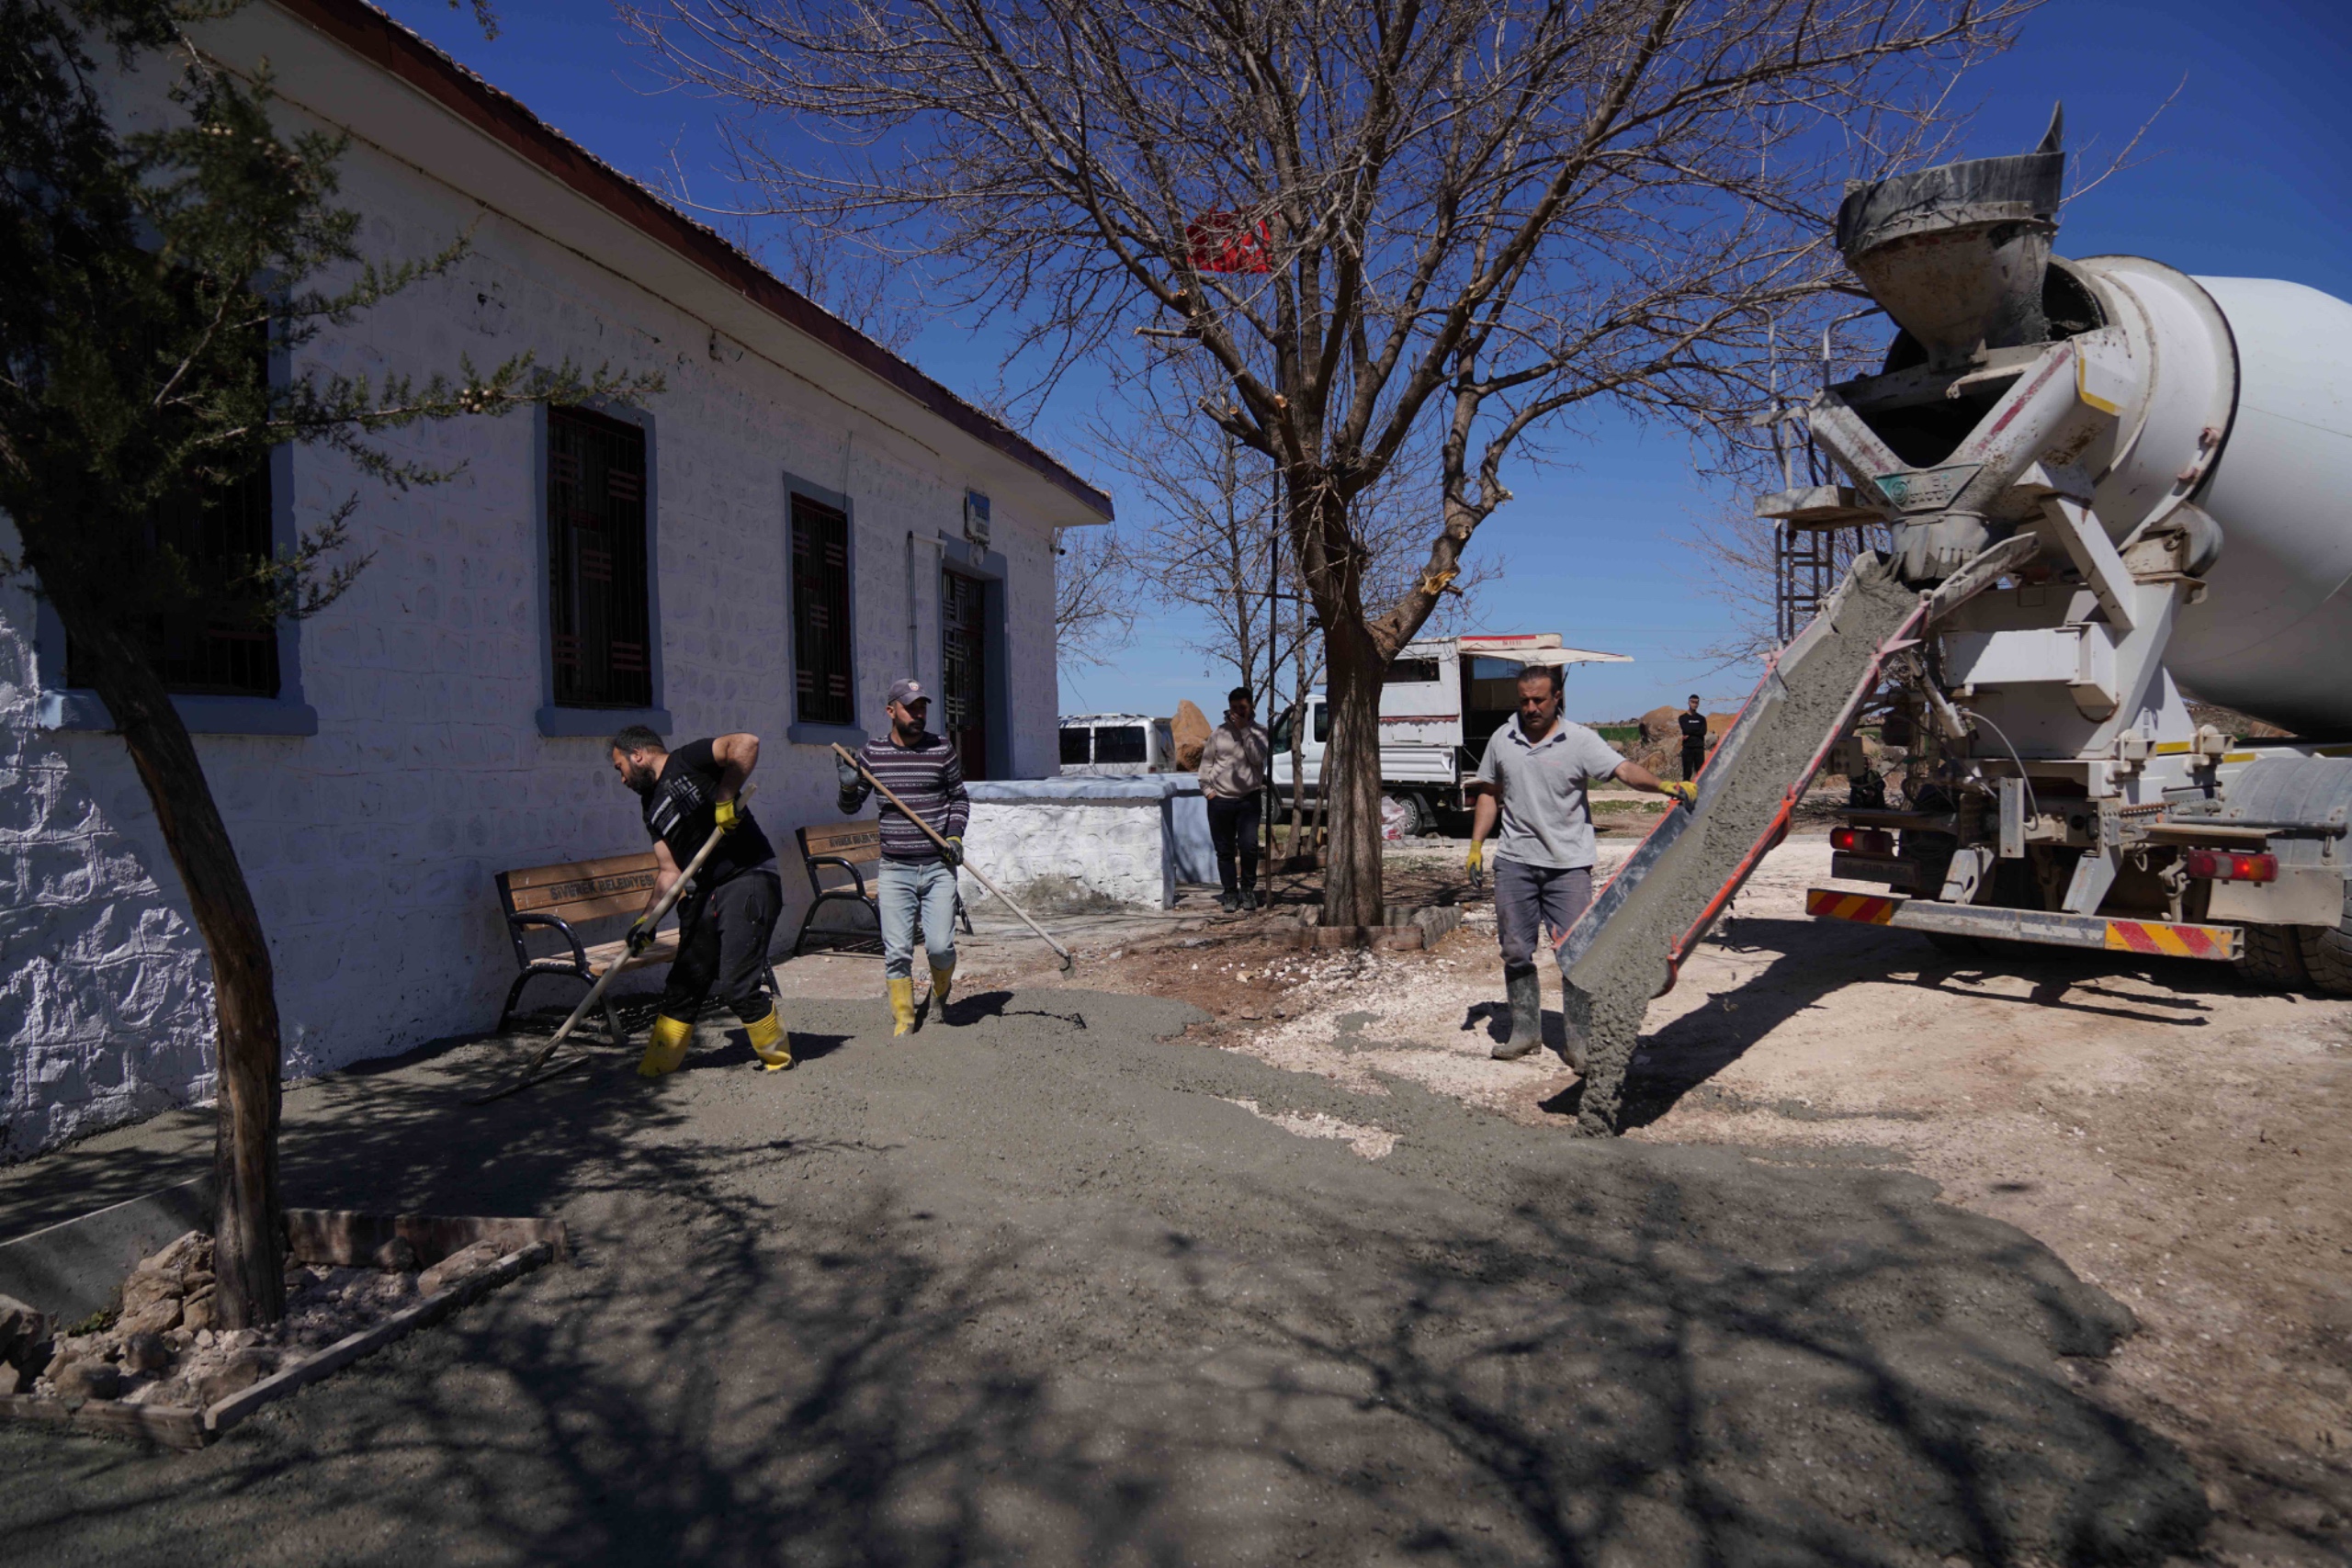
{"type": "Point", "coordinates": [2107, 485]}
{"type": "Point", "coordinates": [2116, 486]}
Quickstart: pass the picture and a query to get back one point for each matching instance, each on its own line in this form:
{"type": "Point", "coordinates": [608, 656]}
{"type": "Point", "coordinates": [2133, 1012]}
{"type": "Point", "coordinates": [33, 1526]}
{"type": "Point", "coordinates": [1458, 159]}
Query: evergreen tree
{"type": "Point", "coordinates": [153, 277]}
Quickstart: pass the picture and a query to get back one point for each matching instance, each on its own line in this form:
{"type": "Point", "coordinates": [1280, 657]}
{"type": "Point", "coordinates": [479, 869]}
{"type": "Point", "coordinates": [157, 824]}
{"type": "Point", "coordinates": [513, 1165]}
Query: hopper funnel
{"type": "Point", "coordinates": [1956, 253]}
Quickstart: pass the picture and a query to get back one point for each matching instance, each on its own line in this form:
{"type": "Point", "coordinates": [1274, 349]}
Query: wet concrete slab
{"type": "Point", "coordinates": [1041, 1287]}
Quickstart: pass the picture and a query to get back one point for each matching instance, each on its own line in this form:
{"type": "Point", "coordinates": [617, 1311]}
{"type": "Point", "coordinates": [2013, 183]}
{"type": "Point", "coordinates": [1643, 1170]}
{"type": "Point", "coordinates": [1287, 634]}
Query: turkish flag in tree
{"type": "Point", "coordinates": [1230, 241]}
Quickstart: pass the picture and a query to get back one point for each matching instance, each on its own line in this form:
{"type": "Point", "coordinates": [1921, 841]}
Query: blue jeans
{"type": "Point", "coordinates": [904, 885]}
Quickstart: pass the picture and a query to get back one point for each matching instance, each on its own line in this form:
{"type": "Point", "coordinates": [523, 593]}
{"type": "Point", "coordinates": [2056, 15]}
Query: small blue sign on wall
{"type": "Point", "coordinates": [975, 518]}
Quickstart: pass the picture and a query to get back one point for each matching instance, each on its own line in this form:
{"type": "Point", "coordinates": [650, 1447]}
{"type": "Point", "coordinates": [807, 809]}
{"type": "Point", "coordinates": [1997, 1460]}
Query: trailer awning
{"type": "Point", "coordinates": [1571, 656]}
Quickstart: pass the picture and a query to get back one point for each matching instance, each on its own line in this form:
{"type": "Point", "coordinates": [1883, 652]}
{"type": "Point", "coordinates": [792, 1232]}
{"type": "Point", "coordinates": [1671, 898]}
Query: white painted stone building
{"type": "Point", "coordinates": [427, 732]}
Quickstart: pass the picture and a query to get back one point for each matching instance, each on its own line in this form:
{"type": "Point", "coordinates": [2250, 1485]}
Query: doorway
{"type": "Point", "coordinates": [963, 667]}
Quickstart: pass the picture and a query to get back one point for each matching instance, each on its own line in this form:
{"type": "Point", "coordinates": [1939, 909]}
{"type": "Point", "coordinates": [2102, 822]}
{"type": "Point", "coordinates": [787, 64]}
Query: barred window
{"type": "Point", "coordinates": [820, 629]}
{"type": "Point", "coordinates": [219, 646]}
{"type": "Point", "coordinates": [599, 610]}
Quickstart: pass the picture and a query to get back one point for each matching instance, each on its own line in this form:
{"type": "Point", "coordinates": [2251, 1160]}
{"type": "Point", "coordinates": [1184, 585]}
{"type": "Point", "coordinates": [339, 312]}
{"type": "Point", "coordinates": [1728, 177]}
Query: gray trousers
{"type": "Point", "coordinates": [1529, 895]}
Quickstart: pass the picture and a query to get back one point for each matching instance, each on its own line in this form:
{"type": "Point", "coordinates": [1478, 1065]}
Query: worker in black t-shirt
{"type": "Point", "coordinates": [1694, 738]}
{"type": "Point", "coordinates": [724, 921]}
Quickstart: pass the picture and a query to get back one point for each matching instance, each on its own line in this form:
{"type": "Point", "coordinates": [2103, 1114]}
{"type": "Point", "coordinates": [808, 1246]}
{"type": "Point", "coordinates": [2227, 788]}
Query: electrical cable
{"type": "Point", "coordinates": [2029, 798]}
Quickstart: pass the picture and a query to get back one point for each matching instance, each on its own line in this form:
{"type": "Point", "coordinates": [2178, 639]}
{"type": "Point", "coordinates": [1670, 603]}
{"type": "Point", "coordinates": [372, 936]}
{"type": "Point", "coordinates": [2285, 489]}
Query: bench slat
{"type": "Point", "coordinates": [844, 839]}
{"type": "Point", "coordinates": [578, 870]}
{"type": "Point", "coordinates": [578, 910]}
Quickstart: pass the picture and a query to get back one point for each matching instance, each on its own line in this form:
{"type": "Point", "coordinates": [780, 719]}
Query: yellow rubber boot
{"type": "Point", "coordinates": [943, 981]}
{"type": "Point", "coordinates": [665, 1048]}
{"type": "Point", "coordinates": [902, 1007]}
{"type": "Point", "coordinates": [768, 1042]}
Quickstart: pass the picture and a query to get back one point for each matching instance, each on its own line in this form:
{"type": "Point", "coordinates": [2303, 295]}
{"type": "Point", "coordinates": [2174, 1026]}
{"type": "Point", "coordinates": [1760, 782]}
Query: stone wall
{"type": "Point", "coordinates": [371, 844]}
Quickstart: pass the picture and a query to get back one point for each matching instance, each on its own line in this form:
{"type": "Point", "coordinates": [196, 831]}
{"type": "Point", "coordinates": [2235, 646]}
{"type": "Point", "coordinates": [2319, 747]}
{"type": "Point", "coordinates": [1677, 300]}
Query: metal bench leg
{"type": "Point", "coordinates": [515, 994]}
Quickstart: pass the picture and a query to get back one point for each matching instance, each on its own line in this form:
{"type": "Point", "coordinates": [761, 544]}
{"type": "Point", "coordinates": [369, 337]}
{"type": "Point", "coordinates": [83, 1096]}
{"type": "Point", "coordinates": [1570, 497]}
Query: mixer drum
{"type": "Point", "coordinates": [2273, 637]}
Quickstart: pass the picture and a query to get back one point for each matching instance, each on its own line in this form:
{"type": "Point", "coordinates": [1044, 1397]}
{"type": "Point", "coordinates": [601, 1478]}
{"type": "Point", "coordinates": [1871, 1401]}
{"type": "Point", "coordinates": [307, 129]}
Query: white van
{"type": "Point", "coordinates": [1115, 745]}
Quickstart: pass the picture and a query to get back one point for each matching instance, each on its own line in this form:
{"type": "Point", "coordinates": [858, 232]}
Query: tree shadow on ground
{"type": "Point", "coordinates": [1622, 1363]}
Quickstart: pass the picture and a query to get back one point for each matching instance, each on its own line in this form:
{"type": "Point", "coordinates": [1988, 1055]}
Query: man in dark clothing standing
{"type": "Point", "coordinates": [1694, 738]}
{"type": "Point", "coordinates": [725, 922]}
{"type": "Point", "coordinates": [922, 770]}
{"type": "Point", "coordinates": [1232, 771]}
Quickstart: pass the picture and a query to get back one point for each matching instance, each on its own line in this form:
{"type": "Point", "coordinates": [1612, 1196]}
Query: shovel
{"type": "Point", "coordinates": [662, 908]}
{"type": "Point", "coordinates": [850, 756]}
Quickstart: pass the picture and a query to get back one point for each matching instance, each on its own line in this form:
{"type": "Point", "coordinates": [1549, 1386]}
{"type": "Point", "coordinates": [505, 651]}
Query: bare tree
{"type": "Point", "coordinates": [1094, 595]}
{"type": "Point", "coordinates": [1467, 215]}
{"type": "Point", "coordinates": [1211, 539]}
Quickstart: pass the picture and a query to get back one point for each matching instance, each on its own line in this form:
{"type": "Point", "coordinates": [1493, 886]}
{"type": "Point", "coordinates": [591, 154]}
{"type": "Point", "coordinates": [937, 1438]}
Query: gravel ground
{"type": "Point", "coordinates": [1060, 1283]}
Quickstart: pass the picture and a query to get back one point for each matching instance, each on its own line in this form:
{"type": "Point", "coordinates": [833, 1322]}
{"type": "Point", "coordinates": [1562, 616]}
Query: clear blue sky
{"type": "Point", "coordinates": [2248, 174]}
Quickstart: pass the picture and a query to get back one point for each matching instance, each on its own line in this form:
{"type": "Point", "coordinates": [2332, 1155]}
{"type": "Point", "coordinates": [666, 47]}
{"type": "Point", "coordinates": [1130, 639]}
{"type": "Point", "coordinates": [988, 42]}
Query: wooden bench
{"type": "Point", "coordinates": [855, 848]}
{"type": "Point", "coordinates": [564, 898]}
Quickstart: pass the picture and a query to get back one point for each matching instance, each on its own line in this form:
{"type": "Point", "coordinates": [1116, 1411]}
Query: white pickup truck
{"type": "Point", "coordinates": [1442, 700]}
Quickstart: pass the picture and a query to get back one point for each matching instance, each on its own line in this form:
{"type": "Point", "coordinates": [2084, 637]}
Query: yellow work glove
{"type": "Point", "coordinates": [1681, 790]}
{"type": "Point", "coordinates": [953, 853]}
{"type": "Point", "coordinates": [1476, 864]}
{"type": "Point", "coordinates": [727, 816]}
{"type": "Point", "coordinates": [640, 936]}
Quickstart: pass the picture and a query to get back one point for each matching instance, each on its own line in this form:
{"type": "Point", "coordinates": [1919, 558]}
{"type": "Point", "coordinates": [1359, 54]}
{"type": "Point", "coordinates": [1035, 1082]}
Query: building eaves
{"type": "Point", "coordinates": [375, 37]}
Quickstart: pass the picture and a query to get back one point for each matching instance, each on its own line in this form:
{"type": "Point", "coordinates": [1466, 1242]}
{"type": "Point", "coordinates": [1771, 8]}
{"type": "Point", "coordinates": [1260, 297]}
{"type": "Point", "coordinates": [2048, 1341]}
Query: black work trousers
{"type": "Point", "coordinates": [1693, 758]}
{"type": "Point", "coordinates": [723, 947]}
{"type": "Point", "coordinates": [1233, 828]}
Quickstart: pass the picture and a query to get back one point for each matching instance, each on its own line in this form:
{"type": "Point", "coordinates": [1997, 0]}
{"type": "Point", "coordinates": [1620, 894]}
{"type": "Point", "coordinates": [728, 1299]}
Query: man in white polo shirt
{"type": "Point", "coordinates": [1533, 781]}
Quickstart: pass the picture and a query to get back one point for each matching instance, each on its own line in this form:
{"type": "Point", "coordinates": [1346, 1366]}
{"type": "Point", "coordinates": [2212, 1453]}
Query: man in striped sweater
{"type": "Point", "coordinates": [921, 769]}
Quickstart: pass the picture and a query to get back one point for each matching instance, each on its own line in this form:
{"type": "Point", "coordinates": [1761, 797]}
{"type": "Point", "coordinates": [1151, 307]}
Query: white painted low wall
{"type": "Point", "coordinates": [1069, 843]}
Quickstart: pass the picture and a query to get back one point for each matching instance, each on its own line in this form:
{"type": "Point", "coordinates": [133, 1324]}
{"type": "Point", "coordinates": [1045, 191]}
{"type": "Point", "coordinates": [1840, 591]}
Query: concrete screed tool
{"type": "Point", "coordinates": [850, 756]}
{"type": "Point", "coordinates": [662, 908]}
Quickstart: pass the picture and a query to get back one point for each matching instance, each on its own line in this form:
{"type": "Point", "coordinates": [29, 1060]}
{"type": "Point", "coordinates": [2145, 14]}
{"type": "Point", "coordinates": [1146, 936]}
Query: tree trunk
{"type": "Point", "coordinates": [1352, 667]}
{"type": "Point", "coordinates": [248, 1221]}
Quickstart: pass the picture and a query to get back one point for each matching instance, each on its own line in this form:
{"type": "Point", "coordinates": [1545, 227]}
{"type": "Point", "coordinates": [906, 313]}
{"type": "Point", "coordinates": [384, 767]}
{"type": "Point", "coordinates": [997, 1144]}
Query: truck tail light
{"type": "Point", "coordinates": [2228, 865]}
{"type": "Point", "coordinates": [1869, 841]}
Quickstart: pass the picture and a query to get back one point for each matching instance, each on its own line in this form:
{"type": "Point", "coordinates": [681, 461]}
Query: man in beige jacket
{"type": "Point", "coordinates": [1233, 777]}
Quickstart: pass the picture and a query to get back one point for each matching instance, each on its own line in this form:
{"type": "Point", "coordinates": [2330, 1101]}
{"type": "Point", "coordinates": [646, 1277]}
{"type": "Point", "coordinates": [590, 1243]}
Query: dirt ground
{"type": "Point", "coordinates": [1219, 1250]}
{"type": "Point", "coordinates": [2181, 1138]}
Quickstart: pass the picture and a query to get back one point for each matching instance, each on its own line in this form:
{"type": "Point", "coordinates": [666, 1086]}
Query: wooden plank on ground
{"type": "Point", "coordinates": [220, 1418]}
{"type": "Point", "coordinates": [170, 1425]}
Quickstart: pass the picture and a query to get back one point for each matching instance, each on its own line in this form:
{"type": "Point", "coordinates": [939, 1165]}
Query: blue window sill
{"type": "Point", "coordinates": [598, 723]}
{"type": "Point", "coordinates": [847, 735]}
{"type": "Point", "coordinates": [203, 715]}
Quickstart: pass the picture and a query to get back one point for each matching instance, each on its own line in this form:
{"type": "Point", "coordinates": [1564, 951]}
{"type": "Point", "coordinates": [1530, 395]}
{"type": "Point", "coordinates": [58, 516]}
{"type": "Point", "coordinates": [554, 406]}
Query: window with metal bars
{"type": "Point", "coordinates": [599, 607]}
{"type": "Point", "coordinates": [823, 689]}
{"type": "Point", "coordinates": [216, 647]}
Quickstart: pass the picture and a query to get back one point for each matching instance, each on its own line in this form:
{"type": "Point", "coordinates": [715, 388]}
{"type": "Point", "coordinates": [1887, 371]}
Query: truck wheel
{"type": "Point", "coordinates": [2327, 957]}
{"type": "Point", "coordinates": [2273, 956]}
{"type": "Point", "coordinates": [1417, 815]}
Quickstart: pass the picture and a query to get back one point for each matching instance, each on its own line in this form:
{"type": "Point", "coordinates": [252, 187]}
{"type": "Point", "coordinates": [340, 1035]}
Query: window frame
{"type": "Point", "coordinates": [600, 722]}
{"type": "Point", "coordinates": [1141, 731]}
{"type": "Point", "coordinates": [852, 734]}
{"type": "Point", "coordinates": [79, 708]}
{"type": "Point", "coordinates": [1434, 666]}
